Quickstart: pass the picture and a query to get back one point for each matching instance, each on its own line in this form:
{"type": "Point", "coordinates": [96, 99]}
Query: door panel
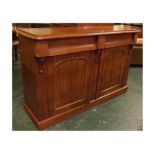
{"type": "Point", "coordinates": [71, 80]}
{"type": "Point", "coordinates": [112, 65]}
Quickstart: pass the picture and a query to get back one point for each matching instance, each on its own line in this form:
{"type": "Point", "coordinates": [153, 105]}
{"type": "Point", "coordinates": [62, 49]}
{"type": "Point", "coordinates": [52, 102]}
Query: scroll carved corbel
{"type": "Point", "coordinates": [41, 65]}
{"type": "Point", "coordinates": [131, 49]}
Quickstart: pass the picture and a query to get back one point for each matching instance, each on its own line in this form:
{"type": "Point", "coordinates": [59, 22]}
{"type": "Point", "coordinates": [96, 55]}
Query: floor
{"type": "Point", "coordinates": [122, 113]}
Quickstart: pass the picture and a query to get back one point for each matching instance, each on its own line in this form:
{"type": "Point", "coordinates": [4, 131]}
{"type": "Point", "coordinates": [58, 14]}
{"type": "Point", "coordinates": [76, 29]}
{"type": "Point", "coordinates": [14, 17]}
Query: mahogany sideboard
{"type": "Point", "coordinates": [67, 70]}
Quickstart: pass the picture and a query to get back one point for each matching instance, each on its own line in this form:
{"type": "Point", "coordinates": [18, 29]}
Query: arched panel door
{"type": "Point", "coordinates": [113, 69]}
{"type": "Point", "coordinates": [69, 83]}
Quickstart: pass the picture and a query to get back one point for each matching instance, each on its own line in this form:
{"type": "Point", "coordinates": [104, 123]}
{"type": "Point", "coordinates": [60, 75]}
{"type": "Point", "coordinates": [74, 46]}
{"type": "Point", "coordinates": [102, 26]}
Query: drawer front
{"type": "Point", "coordinates": [113, 40]}
{"type": "Point", "coordinates": [70, 45]}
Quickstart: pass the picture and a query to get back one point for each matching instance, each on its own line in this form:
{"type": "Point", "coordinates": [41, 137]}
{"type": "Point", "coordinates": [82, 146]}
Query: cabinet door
{"type": "Point", "coordinates": [69, 81]}
{"type": "Point", "coordinates": [113, 70]}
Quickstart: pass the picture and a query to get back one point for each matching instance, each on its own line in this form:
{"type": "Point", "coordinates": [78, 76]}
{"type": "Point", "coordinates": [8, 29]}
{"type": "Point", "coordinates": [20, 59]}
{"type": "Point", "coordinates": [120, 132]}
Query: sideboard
{"type": "Point", "coordinates": [67, 70]}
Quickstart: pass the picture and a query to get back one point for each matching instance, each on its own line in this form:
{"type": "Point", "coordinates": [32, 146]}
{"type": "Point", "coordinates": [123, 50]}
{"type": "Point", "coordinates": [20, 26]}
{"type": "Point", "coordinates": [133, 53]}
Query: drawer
{"type": "Point", "coordinates": [71, 45]}
{"type": "Point", "coordinates": [113, 40]}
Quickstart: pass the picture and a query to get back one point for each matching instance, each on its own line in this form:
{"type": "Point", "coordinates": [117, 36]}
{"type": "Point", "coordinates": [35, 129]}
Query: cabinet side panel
{"type": "Point", "coordinates": [28, 65]}
{"type": "Point", "coordinates": [126, 64]}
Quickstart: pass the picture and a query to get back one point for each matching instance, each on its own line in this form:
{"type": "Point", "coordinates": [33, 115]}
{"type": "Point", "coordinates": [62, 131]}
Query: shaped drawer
{"type": "Point", "coordinates": [70, 45]}
{"type": "Point", "coordinates": [113, 40]}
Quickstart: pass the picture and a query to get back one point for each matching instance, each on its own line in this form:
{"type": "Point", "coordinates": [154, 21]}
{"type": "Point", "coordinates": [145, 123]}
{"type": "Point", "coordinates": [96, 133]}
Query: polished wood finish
{"type": "Point", "coordinates": [70, 83]}
{"type": "Point", "coordinates": [68, 70]}
{"type": "Point", "coordinates": [75, 31]}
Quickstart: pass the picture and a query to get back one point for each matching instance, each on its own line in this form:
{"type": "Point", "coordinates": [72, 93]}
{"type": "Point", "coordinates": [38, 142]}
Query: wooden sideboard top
{"type": "Point", "coordinates": [74, 31]}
